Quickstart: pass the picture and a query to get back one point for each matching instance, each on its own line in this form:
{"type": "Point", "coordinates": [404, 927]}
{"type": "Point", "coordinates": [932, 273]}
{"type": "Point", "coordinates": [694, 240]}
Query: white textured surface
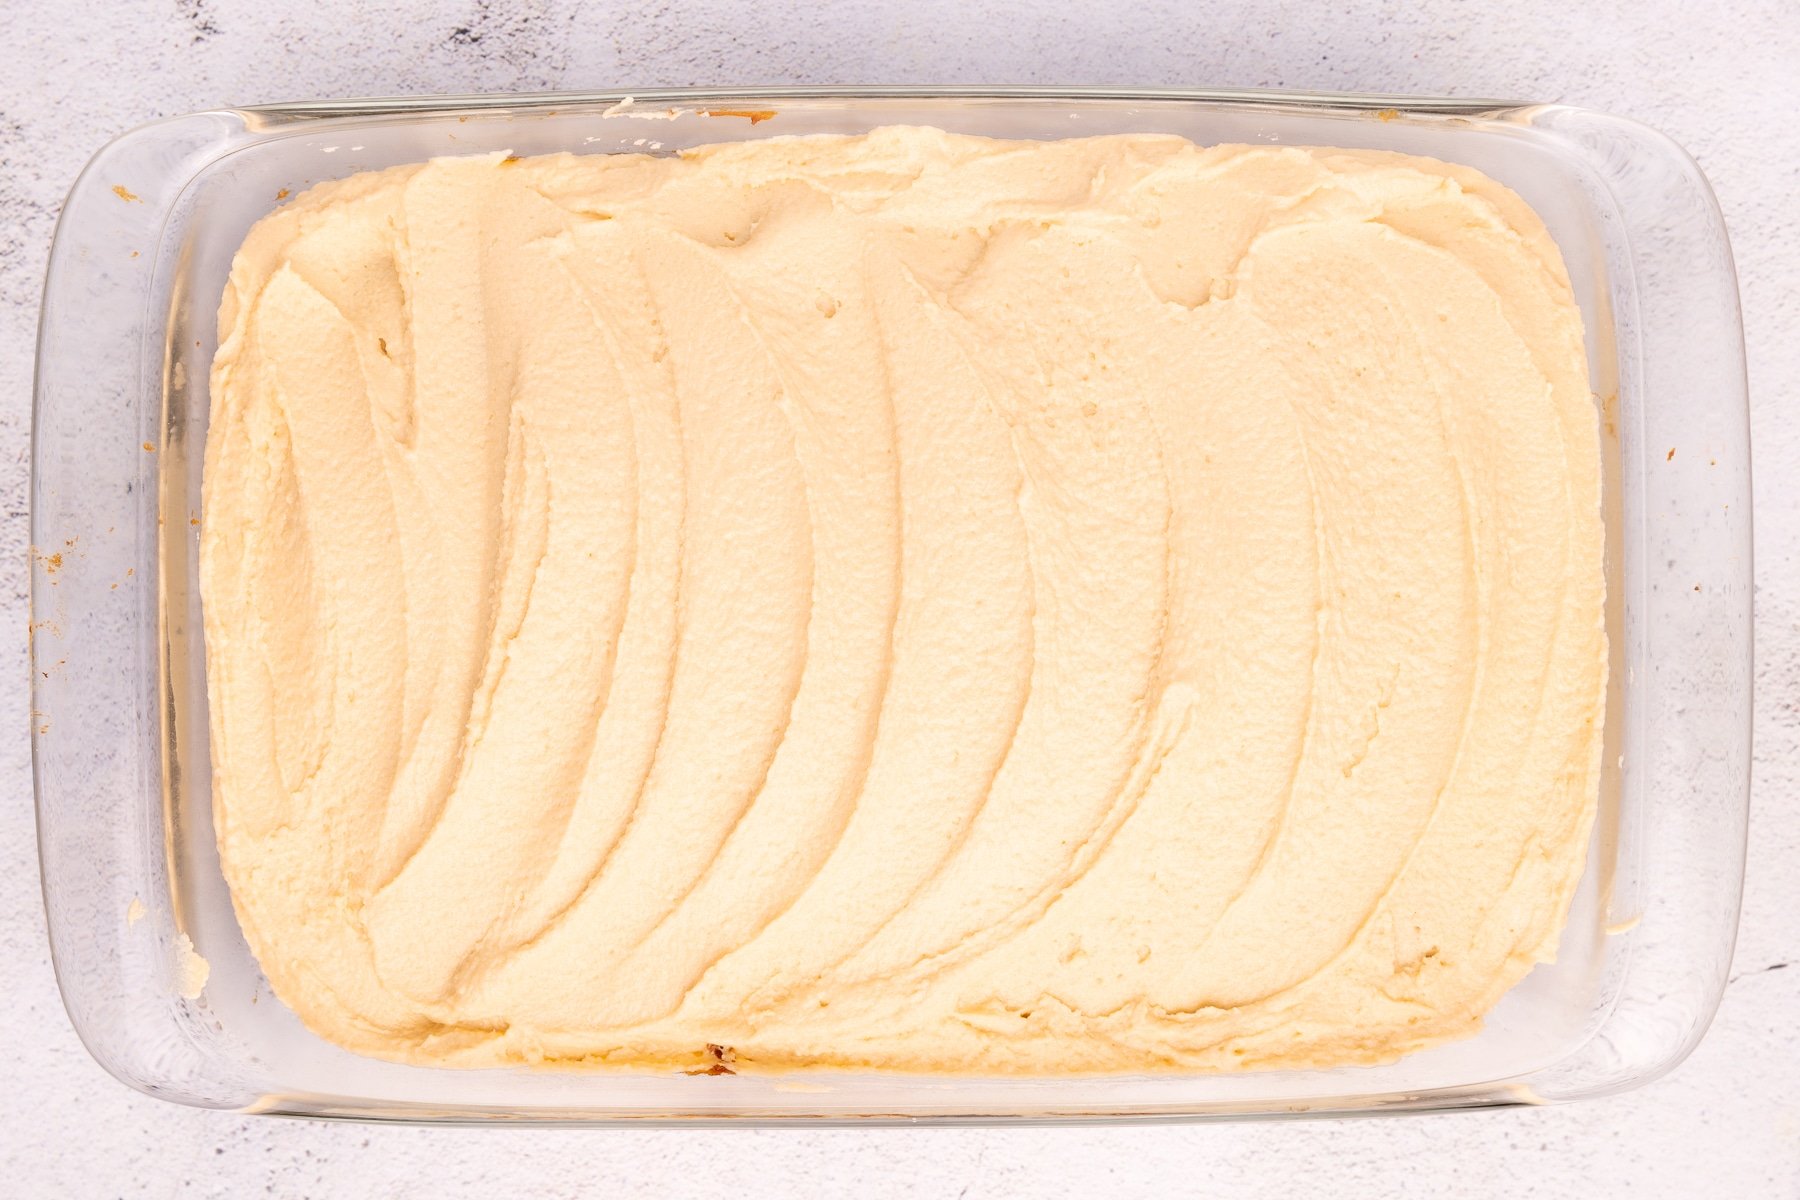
{"type": "Point", "coordinates": [1724, 81]}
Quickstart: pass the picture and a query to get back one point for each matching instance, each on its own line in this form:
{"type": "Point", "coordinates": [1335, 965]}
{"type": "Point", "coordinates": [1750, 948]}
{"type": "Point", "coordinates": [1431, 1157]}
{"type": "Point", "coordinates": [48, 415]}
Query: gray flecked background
{"type": "Point", "coordinates": [1724, 80]}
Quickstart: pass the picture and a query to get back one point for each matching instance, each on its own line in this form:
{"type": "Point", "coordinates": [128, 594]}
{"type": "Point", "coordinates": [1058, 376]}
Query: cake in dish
{"type": "Point", "coordinates": [903, 602]}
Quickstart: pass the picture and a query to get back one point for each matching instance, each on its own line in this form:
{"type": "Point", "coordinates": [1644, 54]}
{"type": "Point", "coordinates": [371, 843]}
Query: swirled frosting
{"type": "Point", "coordinates": [905, 601]}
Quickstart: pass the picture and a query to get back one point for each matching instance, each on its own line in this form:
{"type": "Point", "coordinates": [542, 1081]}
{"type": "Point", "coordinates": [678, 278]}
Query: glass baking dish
{"type": "Point", "coordinates": [131, 879]}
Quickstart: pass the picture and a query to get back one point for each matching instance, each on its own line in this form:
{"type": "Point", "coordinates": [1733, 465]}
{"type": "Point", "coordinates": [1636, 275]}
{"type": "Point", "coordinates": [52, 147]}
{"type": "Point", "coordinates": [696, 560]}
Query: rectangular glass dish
{"type": "Point", "coordinates": [132, 883]}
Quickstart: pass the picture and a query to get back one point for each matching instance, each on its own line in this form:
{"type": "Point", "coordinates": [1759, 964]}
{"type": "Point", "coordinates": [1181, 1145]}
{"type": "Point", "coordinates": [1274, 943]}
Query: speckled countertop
{"type": "Point", "coordinates": [1722, 79]}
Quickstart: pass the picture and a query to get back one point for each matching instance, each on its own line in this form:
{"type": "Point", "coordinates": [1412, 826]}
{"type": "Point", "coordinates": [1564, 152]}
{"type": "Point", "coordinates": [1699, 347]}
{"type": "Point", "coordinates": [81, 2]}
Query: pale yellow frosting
{"type": "Point", "coordinates": [905, 601]}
